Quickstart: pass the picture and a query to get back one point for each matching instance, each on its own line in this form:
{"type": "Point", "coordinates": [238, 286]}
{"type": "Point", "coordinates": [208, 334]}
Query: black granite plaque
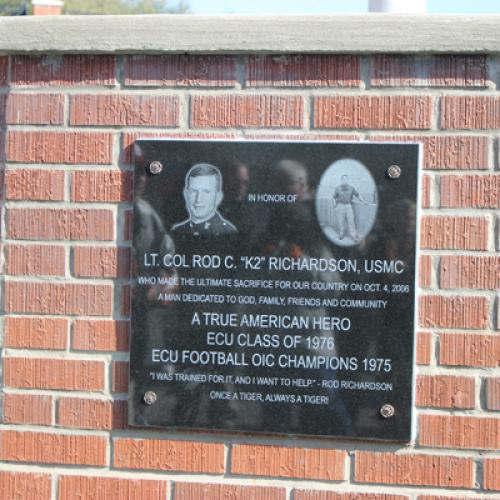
{"type": "Point", "coordinates": [274, 287]}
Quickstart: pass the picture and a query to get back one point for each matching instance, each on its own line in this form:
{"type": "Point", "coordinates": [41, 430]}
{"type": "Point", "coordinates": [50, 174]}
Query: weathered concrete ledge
{"type": "Point", "coordinates": [237, 34]}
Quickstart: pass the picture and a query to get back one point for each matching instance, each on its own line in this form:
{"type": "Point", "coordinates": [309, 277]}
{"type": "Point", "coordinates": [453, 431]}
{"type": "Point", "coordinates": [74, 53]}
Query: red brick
{"type": "Point", "coordinates": [378, 112]}
{"type": "Point", "coordinates": [27, 409]}
{"type": "Point", "coordinates": [169, 455]}
{"type": "Point", "coordinates": [496, 236]}
{"type": "Point", "coordinates": [424, 344]}
{"type": "Point", "coordinates": [278, 461]}
{"type": "Point", "coordinates": [441, 391]}
{"type": "Point", "coordinates": [299, 136]}
{"type": "Point", "coordinates": [425, 191]}
{"type": "Point", "coordinates": [45, 448]}
{"type": "Point", "coordinates": [247, 111]}
{"type": "Point", "coordinates": [443, 431]}
{"type": "Point", "coordinates": [466, 271]}
{"type": "Point", "coordinates": [393, 70]}
{"type": "Point", "coordinates": [180, 71]}
{"type": "Point", "coordinates": [108, 186]}
{"type": "Point", "coordinates": [448, 152]}
{"type": "Point", "coordinates": [470, 112]}
{"type": "Point", "coordinates": [128, 225]}
{"type": "Point", "coordinates": [470, 191]}
{"type": "Point", "coordinates": [491, 468]}
{"type": "Point", "coordinates": [60, 147]}
{"type": "Point", "coordinates": [35, 333]}
{"type": "Point", "coordinates": [456, 152]}
{"type": "Point", "coordinates": [124, 110]}
{"type": "Point", "coordinates": [454, 233]}
{"type": "Point", "coordinates": [67, 70]}
{"type": "Point", "coordinates": [425, 271]}
{"type": "Point", "coordinates": [45, 10]}
{"type": "Point", "coordinates": [497, 321]}
{"type": "Point", "coordinates": [32, 109]}
{"type": "Point", "coordinates": [413, 469]}
{"type": "Point", "coordinates": [493, 393]}
{"type": "Point", "coordinates": [111, 488]}
{"type": "Point", "coordinates": [4, 71]}
{"type": "Point", "coordinates": [330, 495]}
{"type": "Point", "coordinates": [207, 491]}
{"type": "Point", "coordinates": [58, 298]}
{"type": "Point", "coordinates": [23, 485]}
{"type": "Point", "coordinates": [101, 262]}
{"type": "Point", "coordinates": [35, 260]}
{"type": "Point", "coordinates": [125, 300]}
{"type": "Point", "coordinates": [462, 349]}
{"type": "Point", "coordinates": [31, 184]}
{"type": "Point", "coordinates": [60, 224]}
{"type": "Point", "coordinates": [303, 71]}
{"type": "Point", "coordinates": [92, 414]}
{"type": "Point", "coordinates": [454, 497]}
{"type": "Point", "coordinates": [453, 312]}
{"type": "Point", "coordinates": [119, 376]}
{"type": "Point", "coordinates": [100, 335]}
{"type": "Point", "coordinates": [46, 373]}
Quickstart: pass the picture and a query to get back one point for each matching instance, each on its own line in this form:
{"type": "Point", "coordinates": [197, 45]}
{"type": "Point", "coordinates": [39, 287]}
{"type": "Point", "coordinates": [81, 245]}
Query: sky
{"type": "Point", "coordinates": [332, 6]}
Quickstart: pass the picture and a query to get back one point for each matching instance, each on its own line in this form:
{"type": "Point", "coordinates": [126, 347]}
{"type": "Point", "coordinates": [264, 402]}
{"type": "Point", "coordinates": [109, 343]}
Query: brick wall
{"type": "Point", "coordinates": [66, 125]}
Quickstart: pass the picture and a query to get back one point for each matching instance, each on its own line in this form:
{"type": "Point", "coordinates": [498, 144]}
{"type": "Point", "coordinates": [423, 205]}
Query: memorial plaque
{"type": "Point", "coordinates": [274, 287]}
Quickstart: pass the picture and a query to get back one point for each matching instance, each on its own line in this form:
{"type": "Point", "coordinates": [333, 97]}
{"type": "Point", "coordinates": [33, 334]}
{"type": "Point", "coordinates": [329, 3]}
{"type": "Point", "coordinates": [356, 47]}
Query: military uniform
{"type": "Point", "coordinates": [343, 197]}
{"type": "Point", "coordinates": [212, 228]}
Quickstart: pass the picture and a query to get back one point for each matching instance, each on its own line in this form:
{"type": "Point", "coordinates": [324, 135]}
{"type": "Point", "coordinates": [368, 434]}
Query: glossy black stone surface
{"type": "Point", "coordinates": [275, 292]}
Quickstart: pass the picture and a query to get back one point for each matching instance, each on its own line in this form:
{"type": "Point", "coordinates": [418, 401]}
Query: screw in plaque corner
{"type": "Point", "coordinates": [387, 411]}
{"type": "Point", "coordinates": [150, 398]}
{"type": "Point", "coordinates": [155, 167]}
{"type": "Point", "coordinates": [393, 172]}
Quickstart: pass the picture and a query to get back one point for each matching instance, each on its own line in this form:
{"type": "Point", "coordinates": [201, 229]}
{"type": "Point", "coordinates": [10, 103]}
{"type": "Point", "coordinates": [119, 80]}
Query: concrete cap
{"type": "Point", "coordinates": [241, 34]}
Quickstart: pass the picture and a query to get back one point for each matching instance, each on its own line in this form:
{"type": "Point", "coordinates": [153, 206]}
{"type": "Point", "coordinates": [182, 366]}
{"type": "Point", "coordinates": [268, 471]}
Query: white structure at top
{"type": "Point", "coordinates": [399, 6]}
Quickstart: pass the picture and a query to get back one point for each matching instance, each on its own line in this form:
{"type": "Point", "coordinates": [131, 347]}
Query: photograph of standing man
{"type": "Point", "coordinates": [203, 195]}
{"type": "Point", "coordinates": [343, 199]}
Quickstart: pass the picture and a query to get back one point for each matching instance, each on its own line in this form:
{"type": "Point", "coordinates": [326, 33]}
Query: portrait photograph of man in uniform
{"type": "Point", "coordinates": [203, 195]}
{"type": "Point", "coordinates": [347, 202]}
{"type": "Point", "coordinates": [343, 198]}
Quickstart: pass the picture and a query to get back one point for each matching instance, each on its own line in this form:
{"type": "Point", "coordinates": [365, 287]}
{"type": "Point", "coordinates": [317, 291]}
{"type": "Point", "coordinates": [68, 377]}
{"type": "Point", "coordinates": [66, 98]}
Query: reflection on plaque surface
{"type": "Point", "coordinates": [274, 287]}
